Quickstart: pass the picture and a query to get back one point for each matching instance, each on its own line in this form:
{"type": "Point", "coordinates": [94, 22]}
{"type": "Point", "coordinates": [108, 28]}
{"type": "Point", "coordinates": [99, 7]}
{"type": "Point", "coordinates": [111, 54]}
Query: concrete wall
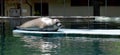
{"type": "Point", "coordinates": [68, 10]}
{"type": "Point", "coordinates": [59, 8]}
{"type": "Point", "coordinates": [110, 11]}
{"type": "Point", "coordinates": [63, 8]}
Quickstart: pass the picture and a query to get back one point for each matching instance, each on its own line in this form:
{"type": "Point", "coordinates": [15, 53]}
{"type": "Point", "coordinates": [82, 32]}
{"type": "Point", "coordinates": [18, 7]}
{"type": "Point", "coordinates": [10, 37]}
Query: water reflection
{"type": "Point", "coordinates": [43, 44]}
{"type": "Point", "coordinates": [71, 45]}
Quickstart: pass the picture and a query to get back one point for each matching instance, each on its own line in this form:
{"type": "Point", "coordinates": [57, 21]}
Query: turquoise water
{"type": "Point", "coordinates": [29, 44]}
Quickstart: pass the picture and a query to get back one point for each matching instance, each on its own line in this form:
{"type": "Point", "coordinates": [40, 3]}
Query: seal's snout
{"type": "Point", "coordinates": [59, 24]}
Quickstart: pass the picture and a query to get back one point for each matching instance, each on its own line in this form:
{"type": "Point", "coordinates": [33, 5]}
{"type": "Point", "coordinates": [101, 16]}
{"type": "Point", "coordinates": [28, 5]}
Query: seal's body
{"type": "Point", "coordinates": [42, 23]}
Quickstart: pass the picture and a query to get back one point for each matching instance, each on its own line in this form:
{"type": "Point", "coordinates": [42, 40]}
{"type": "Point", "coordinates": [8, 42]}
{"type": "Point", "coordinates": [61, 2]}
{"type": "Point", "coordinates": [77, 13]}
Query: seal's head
{"type": "Point", "coordinates": [57, 22]}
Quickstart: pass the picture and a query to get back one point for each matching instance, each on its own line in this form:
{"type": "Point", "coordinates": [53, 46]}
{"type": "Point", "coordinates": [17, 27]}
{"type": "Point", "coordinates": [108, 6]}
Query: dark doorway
{"type": "Point", "coordinates": [0, 9]}
{"type": "Point", "coordinates": [41, 9]}
{"type": "Point", "coordinates": [96, 7]}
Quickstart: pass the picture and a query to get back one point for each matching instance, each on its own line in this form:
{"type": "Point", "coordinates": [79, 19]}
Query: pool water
{"type": "Point", "coordinates": [22, 44]}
